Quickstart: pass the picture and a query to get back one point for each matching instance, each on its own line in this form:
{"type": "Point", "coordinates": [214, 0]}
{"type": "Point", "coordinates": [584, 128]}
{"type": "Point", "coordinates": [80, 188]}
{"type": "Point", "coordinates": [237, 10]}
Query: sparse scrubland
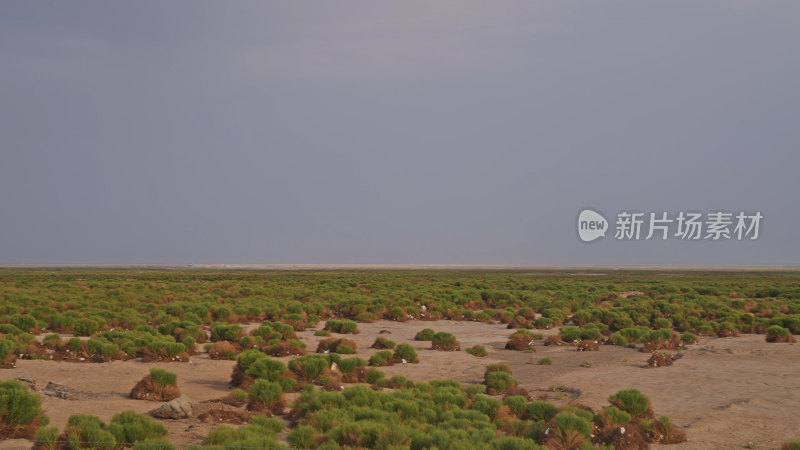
{"type": "Point", "coordinates": [340, 396]}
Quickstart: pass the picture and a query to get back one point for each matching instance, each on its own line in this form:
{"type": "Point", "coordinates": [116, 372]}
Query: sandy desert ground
{"type": "Point", "coordinates": [723, 392]}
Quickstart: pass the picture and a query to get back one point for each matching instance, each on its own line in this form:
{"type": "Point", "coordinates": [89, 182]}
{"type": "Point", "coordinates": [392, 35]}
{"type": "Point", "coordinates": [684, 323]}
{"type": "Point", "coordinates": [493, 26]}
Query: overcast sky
{"type": "Point", "coordinates": [393, 132]}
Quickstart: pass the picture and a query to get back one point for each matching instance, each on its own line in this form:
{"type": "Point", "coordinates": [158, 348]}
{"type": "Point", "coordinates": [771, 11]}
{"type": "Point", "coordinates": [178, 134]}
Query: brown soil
{"type": "Point", "coordinates": [723, 393]}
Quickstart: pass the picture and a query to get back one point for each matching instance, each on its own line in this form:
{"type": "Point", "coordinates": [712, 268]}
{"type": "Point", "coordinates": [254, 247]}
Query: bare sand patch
{"type": "Point", "coordinates": [723, 392]}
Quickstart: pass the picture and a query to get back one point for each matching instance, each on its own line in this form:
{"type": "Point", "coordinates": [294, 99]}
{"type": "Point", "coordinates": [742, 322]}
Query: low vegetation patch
{"type": "Point", "coordinates": [425, 335]}
{"type": "Point", "coordinates": [477, 350]}
{"type": "Point", "coordinates": [445, 342]}
{"type": "Point", "coordinates": [383, 343]}
{"type": "Point", "coordinates": [336, 345]}
{"type": "Point", "coordinates": [521, 340]}
{"type": "Point", "coordinates": [498, 379]}
{"type": "Point", "coordinates": [20, 411]}
{"type": "Point", "coordinates": [661, 359]}
{"type": "Point", "coordinates": [777, 333]}
{"type": "Point", "coordinates": [85, 431]}
{"type": "Point", "coordinates": [159, 386]}
{"type": "Point", "coordinates": [342, 326]}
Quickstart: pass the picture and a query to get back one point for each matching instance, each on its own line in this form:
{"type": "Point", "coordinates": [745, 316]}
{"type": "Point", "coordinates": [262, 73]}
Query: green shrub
{"type": "Point", "coordinates": [540, 410]}
{"type": "Point", "coordinates": [425, 335]}
{"type": "Point", "coordinates": [85, 327]}
{"type": "Point", "coordinates": [265, 392]}
{"type": "Point", "coordinates": [154, 444]}
{"type": "Point", "coordinates": [350, 365]}
{"type": "Point", "coordinates": [381, 342]}
{"type": "Point", "coordinates": [310, 367]}
{"type": "Point", "coordinates": [616, 417]}
{"type": "Point", "coordinates": [688, 338]}
{"type": "Point", "coordinates": [18, 407]}
{"type": "Point", "coordinates": [631, 401]}
{"type": "Point", "coordinates": [444, 341]}
{"type": "Point", "coordinates": [407, 352]}
{"type": "Point", "coordinates": [87, 428]}
{"type": "Point", "coordinates": [163, 378]}
{"type": "Point", "coordinates": [287, 384]}
{"type": "Point", "coordinates": [777, 333]}
{"type": "Point", "coordinates": [189, 342]}
{"type": "Point", "coordinates": [302, 436]}
{"type": "Point", "coordinates": [544, 362]}
{"type": "Point", "coordinates": [499, 382]}
{"type": "Point", "coordinates": [485, 404]}
{"type": "Point", "coordinates": [472, 389]}
{"type": "Point", "coordinates": [239, 394]}
{"type": "Point", "coordinates": [109, 350]}
{"type": "Point", "coordinates": [266, 368]}
{"type": "Point", "coordinates": [498, 367]}
{"type": "Point", "coordinates": [570, 334]}
{"type": "Point", "coordinates": [268, 424]}
{"type": "Point", "coordinates": [24, 322]}
{"type": "Point", "coordinates": [74, 344]}
{"type": "Point", "coordinates": [375, 375]}
{"type": "Point", "coordinates": [566, 422]}
{"type": "Point", "coordinates": [47, 437]}
{"type": "Point", "coordinates": [478, 350]}
{"type": "Point", "coordinates": [342, 326]}
{"type": "Point", "coordinates": [231, 333]}
{"type": "Point", "coordinates": [399, 381]}
{"type": "Point", "coordinates": [517, 404]}
{"type": "Point", "coordinates": [345, 349]}
{"type": "Point", "coordinates": [173, 348]}
{"type": "Point", "coordinates": [514, 443]}
{"type": "Point", "coordinates": [381, 358]}
{"type": "Point", "coordinates": [128, 426]}
{"type": "Point", "coordinates": [322, 333]}
{"type": "Point", "coordinates": [51, 340]}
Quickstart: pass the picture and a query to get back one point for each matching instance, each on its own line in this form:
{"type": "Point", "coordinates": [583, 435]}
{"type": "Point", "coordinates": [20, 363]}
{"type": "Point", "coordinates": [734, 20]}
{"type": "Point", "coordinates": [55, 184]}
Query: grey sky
{"type": "Point", "coordinates": [392, 132]}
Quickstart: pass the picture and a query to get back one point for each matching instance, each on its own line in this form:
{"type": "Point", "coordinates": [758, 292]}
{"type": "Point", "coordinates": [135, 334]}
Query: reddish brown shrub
{"type": "Point", "coordinates": [660, 359]}
{"type": "Point", "coordinates": [217, 416]}
{"type": "Point", "coordinates": [332, 345]}
{"type": "Point", "coordinates": [554, 340]}
{"type": "Point", "coordinates": [284, 349]}
{"type": "Point", "coordinates": [518, 390]}
{"type": "Point", "coordinates": [147, 389]}
{"type": "Point", "coordinates": [381, 343]}
{"type": "Point", "coordinates": [520, 342]}
{"type": "Point", "coordinates": [223, 350]}
{"type": "Point", "coordinates": [588, 345]}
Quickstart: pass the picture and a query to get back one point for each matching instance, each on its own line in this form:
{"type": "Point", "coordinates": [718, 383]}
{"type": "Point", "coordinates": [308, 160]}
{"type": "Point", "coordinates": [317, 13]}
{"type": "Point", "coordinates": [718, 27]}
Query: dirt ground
{"type": "Point", "coordinates": [723, 392]}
